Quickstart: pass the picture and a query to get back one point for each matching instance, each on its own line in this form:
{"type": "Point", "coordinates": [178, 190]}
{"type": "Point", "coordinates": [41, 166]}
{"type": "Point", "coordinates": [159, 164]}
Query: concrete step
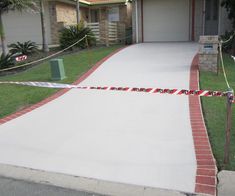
{"type": "Point", "coordinates": [226, 186]}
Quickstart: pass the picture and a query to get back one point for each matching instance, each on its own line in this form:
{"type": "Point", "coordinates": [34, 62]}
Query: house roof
{"type": "Point", "coordinates": [103, 1]}
{"type": "Point", "coordinates": [96, 2]}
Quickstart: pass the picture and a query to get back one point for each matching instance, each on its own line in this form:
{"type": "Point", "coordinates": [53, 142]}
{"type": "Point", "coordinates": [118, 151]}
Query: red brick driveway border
{"type": "Point", "coordinates": [59, 93]}
{"type": "Point", "coordinates": [206, 179]}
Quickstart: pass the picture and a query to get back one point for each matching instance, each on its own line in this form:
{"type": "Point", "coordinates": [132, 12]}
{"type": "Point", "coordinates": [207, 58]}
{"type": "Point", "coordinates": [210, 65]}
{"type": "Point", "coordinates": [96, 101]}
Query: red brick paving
{"type": "Point", "coordinates": [206, 180]}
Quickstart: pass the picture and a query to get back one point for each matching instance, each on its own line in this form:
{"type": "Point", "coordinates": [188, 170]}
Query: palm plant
{"type": "Point", "coordinates": [6, 6]}
{"type": "Point", "coordinates": [70, 35]}
{"type": "Point", "coordinates": [25, 48]}
{"type": "Point", "coordinates": [6, 61]}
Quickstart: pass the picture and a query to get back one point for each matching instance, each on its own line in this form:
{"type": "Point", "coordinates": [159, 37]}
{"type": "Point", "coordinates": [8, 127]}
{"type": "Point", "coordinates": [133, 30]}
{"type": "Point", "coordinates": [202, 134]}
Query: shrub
{"type": "Point", "coordinates": [228, 46]}
{"type": "Point", "coordinates": [25, 48]}
{"type": "Point", "coordinates": [6, 61]}
{"type": "Point", "coordinates": [70, 35]}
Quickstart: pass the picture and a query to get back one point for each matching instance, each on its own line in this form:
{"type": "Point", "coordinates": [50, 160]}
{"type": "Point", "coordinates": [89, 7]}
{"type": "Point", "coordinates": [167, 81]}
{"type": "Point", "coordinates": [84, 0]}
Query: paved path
{"type": "Point", "coordinates": [132, 138]}
{"type": "Point", "coordinates": [226, 183]}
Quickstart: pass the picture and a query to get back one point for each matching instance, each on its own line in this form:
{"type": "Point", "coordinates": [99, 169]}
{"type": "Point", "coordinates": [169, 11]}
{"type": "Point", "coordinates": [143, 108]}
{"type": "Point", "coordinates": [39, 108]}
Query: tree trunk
{"type": "Point", "coordinates": [77, 12]}
{"type": "Point", "coordinates": [3, 38]}
{"type": "Point", "coordinates": [44, 35]}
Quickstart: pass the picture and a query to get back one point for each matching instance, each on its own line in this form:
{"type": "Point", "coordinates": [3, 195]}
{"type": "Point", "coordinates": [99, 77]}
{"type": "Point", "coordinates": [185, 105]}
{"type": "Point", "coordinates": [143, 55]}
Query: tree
{"type": "Point", "coordinates": [78, 12]}
{"type": "Point", "coordinates": [230, 7]}
{"type": "Point", "coordinates": [45, 47]}
{"type": "Point", "coordinates": [6, 6]}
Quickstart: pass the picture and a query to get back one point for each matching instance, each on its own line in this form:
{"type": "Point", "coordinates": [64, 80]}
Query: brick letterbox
{"type": "Point", "coordinates": [208, 53]}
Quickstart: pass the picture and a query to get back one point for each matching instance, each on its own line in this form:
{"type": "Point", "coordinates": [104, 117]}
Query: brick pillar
{"type": "Point", "coordinates": [208, 53]}
{"type": "Point", "coordinates": [55, 26]}
{"type": "Point", "coordinates": [104, 32]}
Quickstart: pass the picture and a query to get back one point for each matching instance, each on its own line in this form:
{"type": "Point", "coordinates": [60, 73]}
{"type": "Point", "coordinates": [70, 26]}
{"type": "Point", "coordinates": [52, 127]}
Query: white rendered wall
{"type": "Point", "coordinates": [25, 26]}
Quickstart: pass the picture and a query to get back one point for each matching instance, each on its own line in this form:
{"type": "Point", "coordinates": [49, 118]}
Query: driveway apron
{"type": "Point", "coordinates": [127, 137]}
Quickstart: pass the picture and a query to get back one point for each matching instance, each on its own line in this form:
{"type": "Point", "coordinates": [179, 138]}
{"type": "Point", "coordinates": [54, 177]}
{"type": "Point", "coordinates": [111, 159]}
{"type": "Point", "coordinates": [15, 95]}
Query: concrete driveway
{"type": "Point", "coordinates": [132, 138]}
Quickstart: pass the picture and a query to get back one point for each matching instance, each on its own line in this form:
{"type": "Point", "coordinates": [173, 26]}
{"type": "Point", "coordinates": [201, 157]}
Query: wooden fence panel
{"type": "Point", "coordinates": [108, 32]}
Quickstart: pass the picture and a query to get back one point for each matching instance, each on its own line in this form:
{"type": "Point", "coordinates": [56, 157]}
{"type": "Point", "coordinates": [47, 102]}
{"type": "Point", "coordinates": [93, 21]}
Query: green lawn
{"type": "Point", "coordinates": [14, 98]}
{"type": "Point", "coordinates": [215, 112]}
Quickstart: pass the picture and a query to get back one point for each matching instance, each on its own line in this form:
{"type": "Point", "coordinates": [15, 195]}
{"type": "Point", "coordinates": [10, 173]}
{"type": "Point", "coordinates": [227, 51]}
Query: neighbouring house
{"type": "Point", "coordinates": [59, 13]}
{"type": "Point", "coordinates": [177, 20]}
{"type": "Point", "coordinates": [111, 10]}
{"type": "Point", "coordinates": [108, 18]}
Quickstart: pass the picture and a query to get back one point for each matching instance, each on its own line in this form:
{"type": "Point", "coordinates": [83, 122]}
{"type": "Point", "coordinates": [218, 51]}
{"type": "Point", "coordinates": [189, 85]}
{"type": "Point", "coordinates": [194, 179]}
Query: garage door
{"type": "Point", "coordinates": [166, 20]}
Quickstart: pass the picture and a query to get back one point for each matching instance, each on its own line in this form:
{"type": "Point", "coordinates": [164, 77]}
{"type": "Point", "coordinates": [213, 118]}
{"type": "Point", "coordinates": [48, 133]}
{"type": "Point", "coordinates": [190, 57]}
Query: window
{"type": "Point", "coordinates": [94, 15]}
{"type": "Point", "coordinates": [113, 15]}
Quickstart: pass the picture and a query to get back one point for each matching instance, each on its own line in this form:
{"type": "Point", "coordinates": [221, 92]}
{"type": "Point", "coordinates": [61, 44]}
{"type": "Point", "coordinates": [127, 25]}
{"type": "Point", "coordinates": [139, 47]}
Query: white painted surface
{"type": "Point", "coordinates": [166, 20]}
{"type": "Point", "coordinates": [133, 138]}
{"type": "Point", "coordinates": [26, 25]}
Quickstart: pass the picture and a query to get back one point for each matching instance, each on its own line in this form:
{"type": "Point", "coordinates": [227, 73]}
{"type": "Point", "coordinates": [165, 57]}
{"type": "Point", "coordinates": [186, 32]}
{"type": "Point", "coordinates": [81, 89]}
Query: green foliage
{"type": "Point", "coordinates": [26, 48]}
{"type": "Point", "coordinates": [73, 33]}
{"type": "Point", "coordinates": [230, 6]}
{"type": "Point", "coordinates": [7, 5]}
{"type": "Point", "coordinates": [228, 46]}
{"type": "Point", "coordinates": [6, 61]}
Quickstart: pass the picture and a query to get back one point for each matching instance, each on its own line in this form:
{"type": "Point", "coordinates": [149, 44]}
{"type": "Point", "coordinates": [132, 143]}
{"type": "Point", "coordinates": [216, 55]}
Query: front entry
{"type": "Point", "coordinates": [211, 17]}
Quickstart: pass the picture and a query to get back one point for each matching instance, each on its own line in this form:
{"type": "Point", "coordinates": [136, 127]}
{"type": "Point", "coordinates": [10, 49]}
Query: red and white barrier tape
{"type": "Point", "coordinates": [204, 93]}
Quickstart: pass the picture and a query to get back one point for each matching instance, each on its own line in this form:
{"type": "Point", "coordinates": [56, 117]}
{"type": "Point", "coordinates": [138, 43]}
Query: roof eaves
{"type": "Point", "coordinates": [101, 3]}
{"type": "Point", "coordinates": [86, 3]}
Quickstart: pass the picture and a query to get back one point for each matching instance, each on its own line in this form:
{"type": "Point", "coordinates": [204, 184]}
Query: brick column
{"type": "Point", "coordinates": [55, 26]}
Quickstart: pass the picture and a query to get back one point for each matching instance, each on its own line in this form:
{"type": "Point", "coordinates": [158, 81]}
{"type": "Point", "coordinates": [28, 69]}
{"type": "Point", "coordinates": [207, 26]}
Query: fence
{"type": "Point", "coordinates": [112, 32]}
{"type": "Point", "coordinates": [95, 28]}
{"type": "Point", "coordinates": [108, 32]}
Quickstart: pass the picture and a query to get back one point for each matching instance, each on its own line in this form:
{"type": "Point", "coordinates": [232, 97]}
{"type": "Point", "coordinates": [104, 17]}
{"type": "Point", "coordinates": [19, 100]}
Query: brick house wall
{"type": "Point", "coordinates": [55, 26]}
{"type": "Point", "coordinates": [63, 14]}
{"type": "Point", "coordinates": [66, 13]}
